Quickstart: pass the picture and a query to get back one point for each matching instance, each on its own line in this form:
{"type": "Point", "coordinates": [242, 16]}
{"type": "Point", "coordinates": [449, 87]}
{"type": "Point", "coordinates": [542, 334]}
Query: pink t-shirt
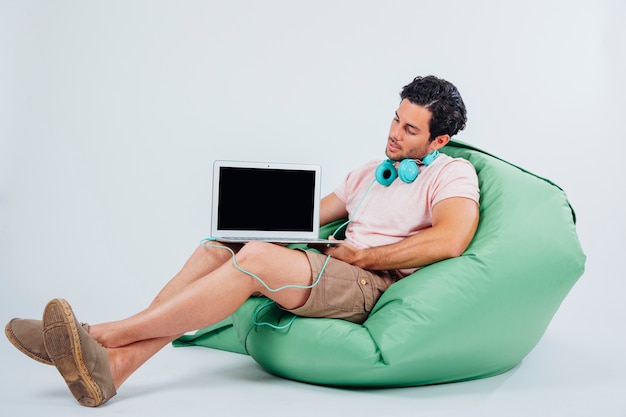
{"type": "Point", "coordinates": [389, 214]}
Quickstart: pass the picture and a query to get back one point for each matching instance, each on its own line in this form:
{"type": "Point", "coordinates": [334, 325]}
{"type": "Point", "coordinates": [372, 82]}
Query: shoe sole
{"type": "Point", "coordinates": [62, 343]}
{"type": "Point", "coordinates": [8, 331]}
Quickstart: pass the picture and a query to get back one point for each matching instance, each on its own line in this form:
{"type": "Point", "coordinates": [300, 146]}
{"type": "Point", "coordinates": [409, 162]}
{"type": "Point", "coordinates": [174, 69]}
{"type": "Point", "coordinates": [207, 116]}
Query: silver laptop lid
{"type": "Point", "coordinates": [261, 200]}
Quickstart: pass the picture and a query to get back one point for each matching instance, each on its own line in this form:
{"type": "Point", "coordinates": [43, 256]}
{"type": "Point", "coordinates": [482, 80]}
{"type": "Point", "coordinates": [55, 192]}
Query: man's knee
{"type": "Point", "coordinates": [254, 252]}
{"type": "Point", "coordinates": [215, 251]}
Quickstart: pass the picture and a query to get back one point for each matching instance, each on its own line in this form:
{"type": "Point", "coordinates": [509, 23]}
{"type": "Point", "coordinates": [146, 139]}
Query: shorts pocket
{"type": "Point", "coordinates": [347, 293]}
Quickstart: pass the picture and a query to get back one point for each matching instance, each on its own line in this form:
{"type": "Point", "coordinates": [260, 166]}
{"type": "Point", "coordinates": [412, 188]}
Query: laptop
{"type": "Point", "coordinates": [272, 202]}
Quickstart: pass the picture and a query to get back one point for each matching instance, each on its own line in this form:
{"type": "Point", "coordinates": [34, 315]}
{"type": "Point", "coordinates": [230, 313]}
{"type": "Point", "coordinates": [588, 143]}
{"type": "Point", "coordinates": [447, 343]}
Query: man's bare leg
{"type": "Point", "coordinates": [201, 302]}
{"type": "Point", "coordinates": [203, 261]}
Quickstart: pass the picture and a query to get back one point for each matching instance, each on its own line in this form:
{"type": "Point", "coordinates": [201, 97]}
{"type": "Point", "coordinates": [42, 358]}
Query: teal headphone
{"type": "Point", "coordinates": [408, 171]}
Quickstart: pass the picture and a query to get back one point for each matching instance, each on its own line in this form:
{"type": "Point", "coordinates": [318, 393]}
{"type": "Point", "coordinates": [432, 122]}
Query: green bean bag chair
{"type": "Point", "coordinates": [465, 318]}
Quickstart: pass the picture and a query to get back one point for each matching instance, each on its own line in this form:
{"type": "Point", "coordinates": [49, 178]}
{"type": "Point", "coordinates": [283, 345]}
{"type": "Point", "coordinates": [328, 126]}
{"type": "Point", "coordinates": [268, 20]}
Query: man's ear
{"type": "Point", "coordinates": [441, 141]}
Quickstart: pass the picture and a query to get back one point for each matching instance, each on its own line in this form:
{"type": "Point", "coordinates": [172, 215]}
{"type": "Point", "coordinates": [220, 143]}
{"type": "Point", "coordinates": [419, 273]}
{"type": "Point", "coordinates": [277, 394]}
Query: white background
{"type": "Point", "coordinates": [111, 114]}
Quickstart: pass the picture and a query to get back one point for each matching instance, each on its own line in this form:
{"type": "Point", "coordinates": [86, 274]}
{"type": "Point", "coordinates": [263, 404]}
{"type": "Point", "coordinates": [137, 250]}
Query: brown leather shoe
{"type": "Point", "coordinates": [79, 358]}
{"type": "Point", "coordinates": [27, 336]}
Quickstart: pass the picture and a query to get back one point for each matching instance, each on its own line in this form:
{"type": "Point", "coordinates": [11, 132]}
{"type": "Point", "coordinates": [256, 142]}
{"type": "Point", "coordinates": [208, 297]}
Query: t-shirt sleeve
{"type": "Point", "coordinates": [355, 179]}
{"type": "Point", "coordinates": [457, 179]}
{"type": "Point", "coordinates": [340, 191]}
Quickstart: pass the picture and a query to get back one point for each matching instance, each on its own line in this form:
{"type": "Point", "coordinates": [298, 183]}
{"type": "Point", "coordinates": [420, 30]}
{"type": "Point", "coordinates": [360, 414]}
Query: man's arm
{"type": "Point", "coordinates": [454, 224]}
{"type": "Point", "coordinates": [332, 208]}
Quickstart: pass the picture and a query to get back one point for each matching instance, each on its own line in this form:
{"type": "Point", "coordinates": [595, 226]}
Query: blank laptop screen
{"type": "Point", "coordinates": [266, 199]}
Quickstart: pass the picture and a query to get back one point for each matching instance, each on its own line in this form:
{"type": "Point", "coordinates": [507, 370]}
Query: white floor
{"type": "Point", "coordinates": [550, 382]}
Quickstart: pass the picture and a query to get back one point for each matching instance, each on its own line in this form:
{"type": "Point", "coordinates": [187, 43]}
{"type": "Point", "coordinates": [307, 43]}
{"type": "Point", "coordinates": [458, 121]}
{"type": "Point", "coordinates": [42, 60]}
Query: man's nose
{"type": "Point", "coordinates": [396, 132]}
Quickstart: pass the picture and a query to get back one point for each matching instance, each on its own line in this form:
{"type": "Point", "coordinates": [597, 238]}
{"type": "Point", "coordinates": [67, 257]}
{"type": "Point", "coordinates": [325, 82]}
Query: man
{"type": "Point", "coordinates": [396, 226]}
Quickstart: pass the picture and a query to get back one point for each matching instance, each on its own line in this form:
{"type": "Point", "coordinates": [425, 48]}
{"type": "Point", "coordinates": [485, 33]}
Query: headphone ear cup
{"type": "Point", "coordinates": [386, 173]}
{"type": "Point", "coordinates": [408, 170]}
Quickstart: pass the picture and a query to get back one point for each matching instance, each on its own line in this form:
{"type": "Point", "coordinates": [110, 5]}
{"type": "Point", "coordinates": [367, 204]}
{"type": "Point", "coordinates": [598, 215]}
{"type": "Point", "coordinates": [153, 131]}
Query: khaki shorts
{"type": "Point", "coordinates": [344, 291]}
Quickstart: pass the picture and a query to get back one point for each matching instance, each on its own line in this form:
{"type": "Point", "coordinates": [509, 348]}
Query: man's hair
{"type": "Point", "coordinates": [442, 99]}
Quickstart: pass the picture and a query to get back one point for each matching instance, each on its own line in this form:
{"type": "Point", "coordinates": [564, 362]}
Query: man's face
{"type": "Point", "coordinates": [409, 133]}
